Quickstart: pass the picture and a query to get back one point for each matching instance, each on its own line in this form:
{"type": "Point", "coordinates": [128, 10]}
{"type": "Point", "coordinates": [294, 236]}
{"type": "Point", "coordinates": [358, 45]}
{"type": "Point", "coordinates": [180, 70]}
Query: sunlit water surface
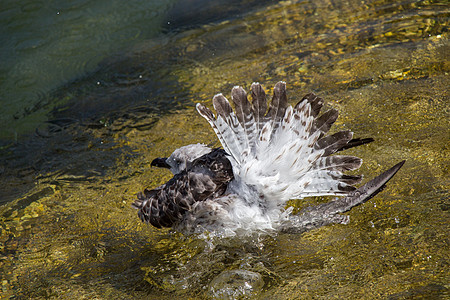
{"type": "Point", "coordinates": [68, 230]}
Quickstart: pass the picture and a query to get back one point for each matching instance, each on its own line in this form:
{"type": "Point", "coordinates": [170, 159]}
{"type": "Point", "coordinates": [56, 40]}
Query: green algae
{"type": "Point", "coordinates": [387, 75]}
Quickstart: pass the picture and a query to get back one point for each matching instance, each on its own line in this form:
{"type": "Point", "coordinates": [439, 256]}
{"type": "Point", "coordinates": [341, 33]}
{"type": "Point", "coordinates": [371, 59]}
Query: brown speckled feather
{"type": "Point", "coordinates": [207, 178]}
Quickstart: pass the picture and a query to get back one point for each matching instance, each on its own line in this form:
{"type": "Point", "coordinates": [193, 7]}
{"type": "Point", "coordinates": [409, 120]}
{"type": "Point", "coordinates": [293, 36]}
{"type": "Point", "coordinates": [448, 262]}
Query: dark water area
{"type": "Point", "coordinates": [190, 14]}
{"type": "Point", "coordinates": [124, 88]}
{"type": "Point", "coordinates": [89, 99]}
{"type": "Point", "coordinates": [53, 53]}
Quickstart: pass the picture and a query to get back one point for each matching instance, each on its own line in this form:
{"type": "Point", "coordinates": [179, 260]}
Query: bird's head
{"type": "Point", "coordinates": [181, 158]}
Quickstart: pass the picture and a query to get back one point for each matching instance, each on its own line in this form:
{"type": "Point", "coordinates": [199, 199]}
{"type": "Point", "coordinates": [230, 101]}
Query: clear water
{"type": "Point", "coordinates": [67, 228]}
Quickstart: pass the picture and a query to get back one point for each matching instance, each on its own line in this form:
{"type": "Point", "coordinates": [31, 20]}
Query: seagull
{"type": "Point", "coordinates": [271, 154]}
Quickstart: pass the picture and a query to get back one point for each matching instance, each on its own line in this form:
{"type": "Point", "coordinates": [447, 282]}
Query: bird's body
{"type": "Point", "coordinates": [270, 156]}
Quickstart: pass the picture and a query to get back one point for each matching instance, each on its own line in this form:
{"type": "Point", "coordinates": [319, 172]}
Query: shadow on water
{"type": "Point", "coordinates": [191, 14]}
{"type": "Point", "coordinates": [78, 141]}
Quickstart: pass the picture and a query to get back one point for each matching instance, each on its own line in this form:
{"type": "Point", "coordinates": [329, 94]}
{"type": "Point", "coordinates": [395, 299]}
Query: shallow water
{"type": "Point", "coordinates": [67, 226]}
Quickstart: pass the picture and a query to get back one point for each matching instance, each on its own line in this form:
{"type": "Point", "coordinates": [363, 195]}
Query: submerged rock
{"type": "Point", "coordinates": [235, 284]}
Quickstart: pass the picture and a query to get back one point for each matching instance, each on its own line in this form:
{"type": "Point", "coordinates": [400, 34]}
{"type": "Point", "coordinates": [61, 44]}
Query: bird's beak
{"type": "Point", "coordinates": [160, 162]}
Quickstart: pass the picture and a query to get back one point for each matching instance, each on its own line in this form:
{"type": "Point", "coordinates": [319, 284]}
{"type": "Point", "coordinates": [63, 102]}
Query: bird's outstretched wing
{"type": "Point", "coordinates": [283, 151]}
{"type": "Point", "coordinates": [328, 213]}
